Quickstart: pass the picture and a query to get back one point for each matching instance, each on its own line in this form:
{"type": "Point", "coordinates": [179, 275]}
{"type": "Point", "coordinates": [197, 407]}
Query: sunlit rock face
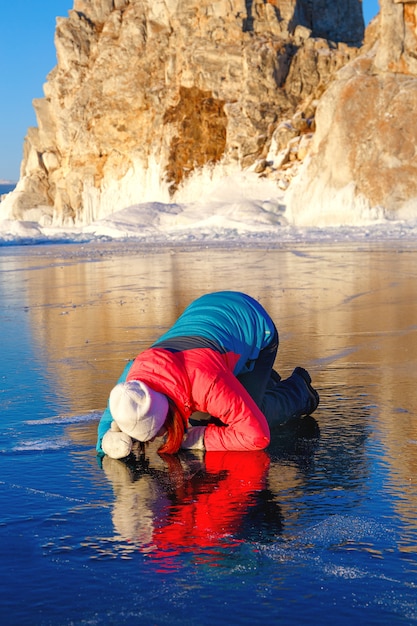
{"type": "Point", "coordinates": [148, 94]}
{"type": "Point", "coordinates": [363, 160]}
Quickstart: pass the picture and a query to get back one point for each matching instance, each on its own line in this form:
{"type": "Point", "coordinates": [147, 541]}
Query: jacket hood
{"type": "Point", "coordinates": [165, 372]}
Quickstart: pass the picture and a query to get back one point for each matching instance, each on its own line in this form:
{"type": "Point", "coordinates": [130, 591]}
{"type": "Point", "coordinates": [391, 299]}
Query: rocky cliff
{"type": "Point", "coordinates": [363, 159]}
{"type": "Point", "coordinates": [148, 94]}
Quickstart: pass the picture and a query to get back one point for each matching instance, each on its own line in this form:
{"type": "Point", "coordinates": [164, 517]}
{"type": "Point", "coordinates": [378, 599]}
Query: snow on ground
{"type": "Point", "coordinates": [240, 211]}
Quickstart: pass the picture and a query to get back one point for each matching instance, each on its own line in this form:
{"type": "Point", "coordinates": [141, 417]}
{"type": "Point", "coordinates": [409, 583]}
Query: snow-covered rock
{"type": "Point", "coordinates": [147, 94]}
{"type": "Point", "coordinates": [363, 160]}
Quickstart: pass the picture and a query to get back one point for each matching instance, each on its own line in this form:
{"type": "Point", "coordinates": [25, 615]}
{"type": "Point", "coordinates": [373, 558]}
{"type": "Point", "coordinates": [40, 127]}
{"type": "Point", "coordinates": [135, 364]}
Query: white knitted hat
{"type": "Point", "coordinates": [138, 410]}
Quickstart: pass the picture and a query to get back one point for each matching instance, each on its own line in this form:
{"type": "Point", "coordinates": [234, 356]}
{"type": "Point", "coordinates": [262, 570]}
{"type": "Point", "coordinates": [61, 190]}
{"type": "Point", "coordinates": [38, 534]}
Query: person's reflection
{"type": "Point", "coordinates": [201, 505]}
{"type": "Point", "coordinates": [298, 440]}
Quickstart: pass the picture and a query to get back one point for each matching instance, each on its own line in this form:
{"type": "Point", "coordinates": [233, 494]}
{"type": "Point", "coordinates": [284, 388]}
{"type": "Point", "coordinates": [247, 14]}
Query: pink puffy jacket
{"type": "Point", "coordinates": [202, 379]}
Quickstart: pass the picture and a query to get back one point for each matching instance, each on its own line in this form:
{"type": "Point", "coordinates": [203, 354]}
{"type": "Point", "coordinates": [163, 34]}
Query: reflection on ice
{"type": "Point", "coordinates": [197, 504]}
{"type": "Point", "coordinates": [325, 517]}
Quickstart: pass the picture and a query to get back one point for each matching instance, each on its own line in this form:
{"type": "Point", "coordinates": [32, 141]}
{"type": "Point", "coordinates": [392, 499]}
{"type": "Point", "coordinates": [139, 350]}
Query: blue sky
{"type": "Point", "coordinates": [27, 55]}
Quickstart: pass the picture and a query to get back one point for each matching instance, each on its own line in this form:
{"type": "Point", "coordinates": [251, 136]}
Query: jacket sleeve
{"type": "Point", "coordinates": [107, 418]}
{"type": "Point", "coordinates": [246, 426]}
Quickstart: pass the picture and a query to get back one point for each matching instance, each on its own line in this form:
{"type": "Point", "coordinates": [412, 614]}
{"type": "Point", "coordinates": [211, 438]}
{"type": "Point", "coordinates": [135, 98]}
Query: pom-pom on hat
{"type": "Point", "coordinates": [138, 410]}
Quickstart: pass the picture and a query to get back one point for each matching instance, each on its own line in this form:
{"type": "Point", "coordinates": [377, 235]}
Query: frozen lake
{"type": "Point", "coordinates": [314, 530]}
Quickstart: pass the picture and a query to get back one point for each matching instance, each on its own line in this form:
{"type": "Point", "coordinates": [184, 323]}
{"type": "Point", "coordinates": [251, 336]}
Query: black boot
{"type": "Point", "coordinates": [313, 397]}
{"type": "Point", "coordinates": [289, 399]}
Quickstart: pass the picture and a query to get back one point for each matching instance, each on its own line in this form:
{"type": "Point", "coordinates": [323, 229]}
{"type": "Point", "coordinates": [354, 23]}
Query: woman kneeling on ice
{"type": "Point", "coordinates": [217, 360]}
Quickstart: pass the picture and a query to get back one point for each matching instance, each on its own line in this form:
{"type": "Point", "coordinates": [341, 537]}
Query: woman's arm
{"type": "Point", "coordinates": [246, 426]}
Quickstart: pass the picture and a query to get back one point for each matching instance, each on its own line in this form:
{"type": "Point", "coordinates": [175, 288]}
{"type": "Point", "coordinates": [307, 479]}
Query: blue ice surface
{"type": "Point", "coordinates": [308, 532]}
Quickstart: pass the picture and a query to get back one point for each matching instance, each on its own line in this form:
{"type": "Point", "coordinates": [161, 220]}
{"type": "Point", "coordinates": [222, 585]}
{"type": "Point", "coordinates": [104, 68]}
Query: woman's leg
{"type": "Point", "coordinates": [255, 382]}
{"type": "Point", "coordinates": [289, 399]}
{"type": "Point", "coordinates": [279, 400]}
